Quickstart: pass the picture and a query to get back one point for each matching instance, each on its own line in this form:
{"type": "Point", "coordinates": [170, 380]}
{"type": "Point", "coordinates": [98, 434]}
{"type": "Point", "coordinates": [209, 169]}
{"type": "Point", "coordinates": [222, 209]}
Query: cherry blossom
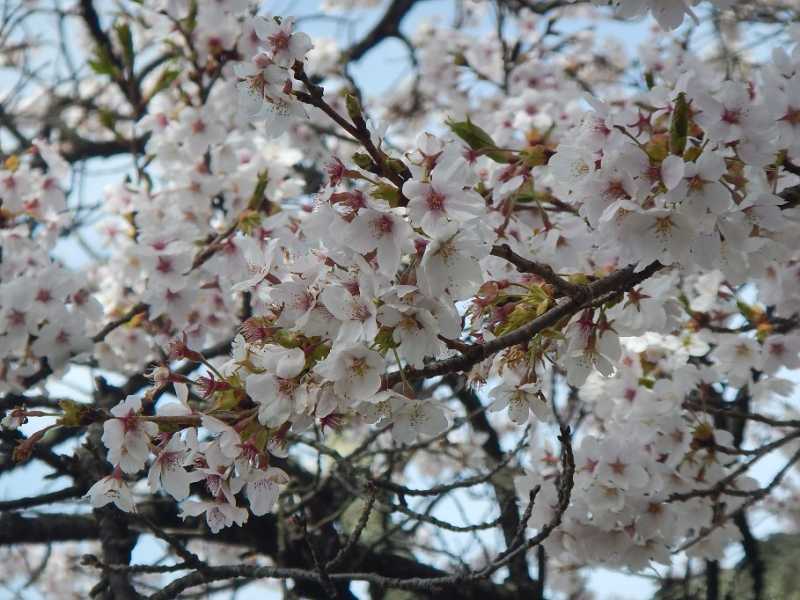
{"type": "Point", "coordinates": [354, 370]}
{"type": "Point", "coordinates": [218, 514]}
{"type": "Point", "coordinates": [167, 470]}
{"type": "Point", "coordinates": [284, 45]}
{"type": "Point", "coordinates": [307, 299]}
{"type": "Point", "coordinates": [450, 264]}
{"type": "Point", "coordinates": [262, 488]}
{"type": "Point", "coordinates": [521, 400]}
{"type": "Point", "coordinates": [443, 199]}
{"type": "Point", "coordinates": [384, 231]}
{"type": "Point", "coordinates": [127, 436]}
{"type": "Point", "coordinates": [112, 488]}
{"type": "Point", "coordinates": [410, 418]}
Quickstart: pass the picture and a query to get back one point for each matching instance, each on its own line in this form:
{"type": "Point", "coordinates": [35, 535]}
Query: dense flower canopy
{"type": "Point", "coordinates": [309, 293]}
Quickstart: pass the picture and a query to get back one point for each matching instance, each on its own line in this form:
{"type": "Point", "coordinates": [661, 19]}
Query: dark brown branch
{"type": "Point", "coordinates": [449, 487]}
{"type": "Point", "coordinates": [117, 541]}
{"type": "Point", "coordinates": [352, 540]}
{"type": "Point", "coordinates": [319, 566]}
{"type": "Point", "coordinates": [42, 450]}
{"type": "Point", "coordinates": [260, 534]}
{"type": "Point", "coordinates": [541, 575]}
{"type": "Point", "coordinates": [112, 325]}
{"type": "Point", "coordinates": [544, 272]}
{"type": "Point", "coordinates": [7, 121]}
{"type": "Point", "coordinates": [16, 528]}
{"type": "Point", "coordinates": [506, 498]}
{"type": "Point", "coordinates": [618, 282]}
{"type": "Point", "coordinates": [358, 129]}
{"type": "Point", "coordinates": [791, 167]}
{"type": "Point", "coordinates": [712, 580]}
{"type": "Point", "coordinates": [11, 400]}
{"type": "Point", "coordinates": [174, 589]}
{"type": "Point", "coordinates": [752, 553]}
{"type": "Point", "coordinates": [535, 6]}
{"type": "Point", "coordinates": [388, 26]}
{"type": "Point", "coordinates": [31, 501]}
{"type": "Point", "coordinates": [92, 21]}
{"type": "Point", "coordinates": [77, 149]}
{"type": "Point", "coordinates": [791, 196]}
{"type": "Point", "coordinates": [564, 488]}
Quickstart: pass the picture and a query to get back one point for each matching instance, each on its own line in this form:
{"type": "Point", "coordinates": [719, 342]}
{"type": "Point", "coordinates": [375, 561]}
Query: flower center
{"type": "Point", "coordinates": [279, 41]}
{"type": "Point", "coordinates": [732, 117]}
{"type": "Point", "coordinates": [435, 200]}
{"type": "Point", "coordinates": [383, 225]}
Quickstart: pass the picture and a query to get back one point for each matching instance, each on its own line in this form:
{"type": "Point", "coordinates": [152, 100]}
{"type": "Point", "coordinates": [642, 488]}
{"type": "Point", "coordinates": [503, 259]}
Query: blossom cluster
{"type": "Point", "coordinates": [414, 251]}
{"type": "Point", "coordinates": [669, 13]}
{"type": "Point", "coordinates": [223, 464]}
{"type": "Point", "coordinates": [46, 312]}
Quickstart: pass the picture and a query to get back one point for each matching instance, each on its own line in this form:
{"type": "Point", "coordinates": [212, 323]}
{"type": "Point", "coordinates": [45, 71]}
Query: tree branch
{"type": "Point", "coordinates": [618, 282]}
{"type": "Point", "coordinates": [388, 26]}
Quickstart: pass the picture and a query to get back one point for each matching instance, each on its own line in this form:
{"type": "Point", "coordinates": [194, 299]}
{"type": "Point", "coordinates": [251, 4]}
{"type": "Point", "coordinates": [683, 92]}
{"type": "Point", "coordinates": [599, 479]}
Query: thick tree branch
{"type": "Point", "coordinates": [388, 26]}
{"type": "Point", "coordinates": [49, 498]}
{"type": "Point", "coordinates": [16, 528]}
{"type": "Point", "coordinates": [506, 498]}
{"type": "Point", "coordinates": [544, 272]}
{"type": "Point", "coordinates": [618, 282]}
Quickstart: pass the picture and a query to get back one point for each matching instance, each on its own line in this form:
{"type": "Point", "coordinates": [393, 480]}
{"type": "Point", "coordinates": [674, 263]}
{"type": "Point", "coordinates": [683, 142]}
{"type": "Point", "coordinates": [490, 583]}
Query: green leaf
{"type": "Point", "coordinates": [288, 339]}
{"type": "Point", "coordinates": [552, 334]}
{"type": "Point", "coordinates": [258, 193]}
{"type": "Point", "coordinates": [364, 161]}
{"type": "Point", "coordinates": [73, 413]}
{"type": "Point", "coordinates": [102, 63]}
{"type": "Point", "coordinates": [478, 139]}
{"type": "Point", "coordinates": [353, 108]}
{"type": "Point", "coordinates": [384, 341]}
{"type": "Point", "coordinates": [164, 81]}
{"type": "Point", "coordinates": [524, 312]}
{"type": "Point", "coordinates": [125, 38]}
{"type": "Point", "coordinates": [107, 119]}
{"type": "Point", "coordinates": [646, 382]}
{"type": "Point", "coordinates": [746, 310]}
{"type": "Point", "coordinates": [317, 354]}
{"type": "Point", "coordinates": [679, 127]}
{"type": "Point", "coordinates": [386, 192]}
{"type": "Point", "coordinates": [227, 400]}
{"type": "Point", "coordinates": [536, 295]}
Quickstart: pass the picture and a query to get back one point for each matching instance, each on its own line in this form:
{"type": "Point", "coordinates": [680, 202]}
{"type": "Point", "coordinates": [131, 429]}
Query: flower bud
{"type": "Point", "coordinates": [679, 127]}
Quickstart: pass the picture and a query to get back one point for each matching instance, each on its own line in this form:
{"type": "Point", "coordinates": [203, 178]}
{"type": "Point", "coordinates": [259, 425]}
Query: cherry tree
{"type": "Point", "coordinates": [530, 312]}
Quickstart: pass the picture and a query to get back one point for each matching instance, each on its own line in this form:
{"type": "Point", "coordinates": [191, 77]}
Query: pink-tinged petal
{"type": "Point", "coordinates": [261, 386]}
{"type": "Point", "coordinates": [192, 508]}
{"type": "Point", "coordinates": [672, 171]}
{"type": "Point", "coordinates": [388, 257]}
{"type": "Point", "coordinates": [291, 364]}
{"type": "Point", "coordinates": [338, 301]}
{"type": "Point", "coordinates": [436, 421]}
{"type": "Point", "coordinates": [518, 410]}
{"type": "Point", "coordinates": [216, 519]}
{"type": "Point", "coordinates": [176, 481]}
{"type": "Point", "coordinates": [264, 27]}
{"type": "Point", "coordinates": [262, 494]}
{"type": "Point", "coordinates": [113, 433]}
{"type": "Point", "coordinates": [717, 197]}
